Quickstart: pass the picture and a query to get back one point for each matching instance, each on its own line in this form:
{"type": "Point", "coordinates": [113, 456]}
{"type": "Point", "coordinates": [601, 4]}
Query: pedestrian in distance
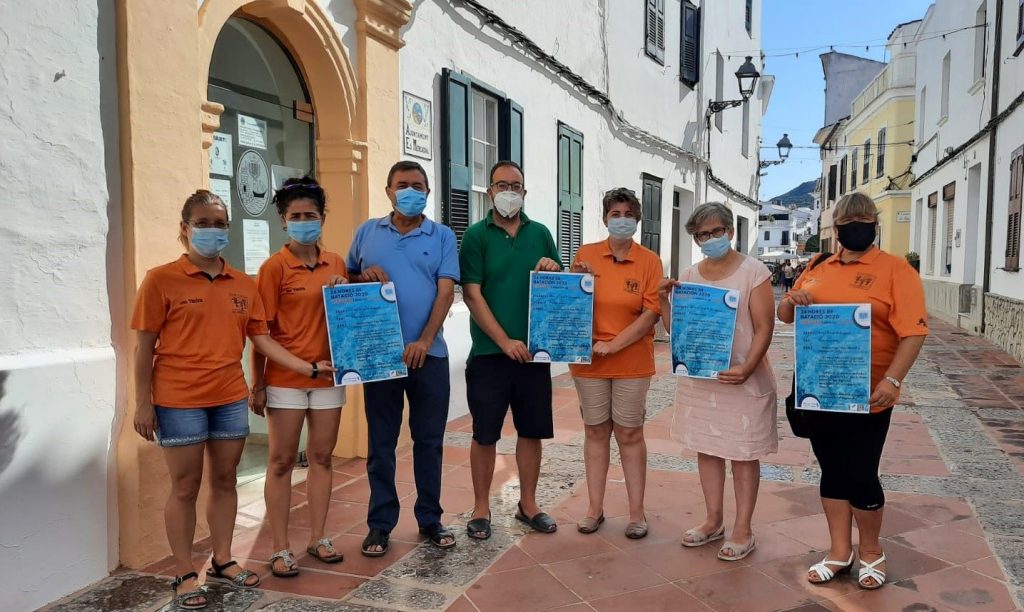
{"type": "Point", "coordinates": [612, 389]}
{"type": "Point", "coordinates": [849, 446]}
{"type": "Point", "coordinates": [290, 284]}
{"type": "Point", "coordinates": [420, 257]}
{"type": "Point", "coordinates": [498, 253]}
{"type": "Point", "coordinates": [732, 418]}
{"type": "Point", "coordinates": [192, 317]}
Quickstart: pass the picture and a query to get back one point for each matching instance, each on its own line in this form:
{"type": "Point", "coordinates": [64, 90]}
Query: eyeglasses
{"type": "Point", "coordinates": [221, 225]}
{"type": "Point", "coordinates": [506, 186]}
{"type": "Point", "coordinates": [718, 232]}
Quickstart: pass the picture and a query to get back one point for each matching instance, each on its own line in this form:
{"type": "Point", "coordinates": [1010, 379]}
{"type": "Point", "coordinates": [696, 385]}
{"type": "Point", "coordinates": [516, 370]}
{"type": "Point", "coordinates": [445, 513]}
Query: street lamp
{"type": "Point", "coordinates": [746, 77]}
{"type": "Point", "coordinates": [784, 146]}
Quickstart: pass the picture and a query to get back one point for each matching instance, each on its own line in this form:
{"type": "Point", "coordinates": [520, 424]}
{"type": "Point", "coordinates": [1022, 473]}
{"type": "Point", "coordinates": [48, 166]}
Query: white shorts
{"type": "Point", "coordinates": [316, 398]}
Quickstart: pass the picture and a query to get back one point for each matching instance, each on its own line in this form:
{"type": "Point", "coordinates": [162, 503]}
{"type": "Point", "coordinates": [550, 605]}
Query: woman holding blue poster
{"type": "Point", "coordinates": [733, 416]}
{"type": "Point", "coordinates": [849, 446]}
{"type": "Point", "coordinates": [290, 283]}
{"type": "Point", "coordinates": [613, 387]}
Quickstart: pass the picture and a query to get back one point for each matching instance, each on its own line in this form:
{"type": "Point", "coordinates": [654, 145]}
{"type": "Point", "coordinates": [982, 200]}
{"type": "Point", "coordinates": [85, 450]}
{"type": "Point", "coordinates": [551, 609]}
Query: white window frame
{"type": "Point", "coordinates": [480, 203]}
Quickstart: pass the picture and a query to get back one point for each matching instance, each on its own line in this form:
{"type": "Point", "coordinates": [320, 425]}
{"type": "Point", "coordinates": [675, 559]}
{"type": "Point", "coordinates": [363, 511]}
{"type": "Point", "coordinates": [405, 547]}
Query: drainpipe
{"type": "Point", "coordinates": [991, 187]}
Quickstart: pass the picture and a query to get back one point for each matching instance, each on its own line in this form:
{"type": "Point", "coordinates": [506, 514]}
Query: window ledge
{"type": "Point", "coordinates": [978, 86]}
{"type": "Point", "coordinates": [941, 122]}
{"type": "Point", "coordinates": [1010, 269]}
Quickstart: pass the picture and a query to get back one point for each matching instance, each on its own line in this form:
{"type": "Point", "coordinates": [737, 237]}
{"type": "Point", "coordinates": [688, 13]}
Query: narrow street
{"type": "Point", "coordinates": [953, 469]}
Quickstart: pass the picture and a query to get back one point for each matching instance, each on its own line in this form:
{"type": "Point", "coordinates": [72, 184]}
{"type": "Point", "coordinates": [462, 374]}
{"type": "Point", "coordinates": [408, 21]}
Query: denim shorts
{"type": "Point", "coordinates": [184, 426]}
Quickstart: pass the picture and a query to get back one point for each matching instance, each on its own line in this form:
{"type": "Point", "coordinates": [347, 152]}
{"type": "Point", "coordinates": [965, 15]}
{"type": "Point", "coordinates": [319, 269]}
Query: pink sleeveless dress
{"type": "Point", "coordinates": [736, 422]}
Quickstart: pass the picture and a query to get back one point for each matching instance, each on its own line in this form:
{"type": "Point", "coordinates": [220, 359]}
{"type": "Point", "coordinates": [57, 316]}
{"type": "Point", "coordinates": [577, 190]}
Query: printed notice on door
{"type": "Point", "coordinates": [222, 188]}
{"type": "Point", "coordinates": [220, 154]}
{"type": "Point", "coordinates": [252, 132]}
{"type": "Point", "coordinates": [256, 243]}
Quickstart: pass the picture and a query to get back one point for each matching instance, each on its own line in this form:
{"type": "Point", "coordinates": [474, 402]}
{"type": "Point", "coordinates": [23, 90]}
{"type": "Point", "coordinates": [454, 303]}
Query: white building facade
{"type": "Point", "coordinates": [562, 88]}
{"type": "Point", "coordinates": [785, 228]}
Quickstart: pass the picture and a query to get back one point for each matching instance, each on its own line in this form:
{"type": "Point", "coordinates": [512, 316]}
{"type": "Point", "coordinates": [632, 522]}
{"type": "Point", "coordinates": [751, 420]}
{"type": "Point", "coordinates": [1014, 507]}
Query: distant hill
{"type": "Point", "coordinates": [799, 195]}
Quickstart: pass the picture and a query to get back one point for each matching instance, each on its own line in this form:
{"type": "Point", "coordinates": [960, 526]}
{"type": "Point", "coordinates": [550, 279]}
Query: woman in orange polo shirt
{"type": "Point", "coordinates": [290, 283]}
{"type": "Point", "coordinates": [613, 388]}
{"type": "Point", "coordinates": [192, 317]}
{"type": "Point", "coordinates": [849, 446]}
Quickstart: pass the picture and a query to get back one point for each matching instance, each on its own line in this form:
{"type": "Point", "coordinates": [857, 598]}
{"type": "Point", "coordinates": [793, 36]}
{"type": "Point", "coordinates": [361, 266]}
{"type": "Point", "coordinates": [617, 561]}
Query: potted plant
{"type": "Point", "coordinates": [914, 260]}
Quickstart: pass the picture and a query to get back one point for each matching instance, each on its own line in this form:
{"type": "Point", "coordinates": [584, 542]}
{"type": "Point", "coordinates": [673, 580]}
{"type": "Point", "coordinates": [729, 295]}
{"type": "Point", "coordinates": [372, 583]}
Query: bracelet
{"type": "Point", "coordinates": [316, 369]}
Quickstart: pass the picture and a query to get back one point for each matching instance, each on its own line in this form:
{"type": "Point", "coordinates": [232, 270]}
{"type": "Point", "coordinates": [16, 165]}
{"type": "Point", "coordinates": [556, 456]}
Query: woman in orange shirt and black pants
{"type": "Point", "coordinates": [849, 446]}
{"type": "Point", "coordinates": [613, 388]}
{"type": "Point", "coordinates": [291, 284]}
{"type": "Point", "coordinates": [192, 317]}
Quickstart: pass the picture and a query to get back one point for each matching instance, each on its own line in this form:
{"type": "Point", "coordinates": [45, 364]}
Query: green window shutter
{"type": "Point", "coordinates": [650, 229]}
{"type": "Point", "coordinates": [570, 192]}
{"type": "Point", "coordinates": [511, 137]}
{"type": "Point", "coordinates": [456, 151]}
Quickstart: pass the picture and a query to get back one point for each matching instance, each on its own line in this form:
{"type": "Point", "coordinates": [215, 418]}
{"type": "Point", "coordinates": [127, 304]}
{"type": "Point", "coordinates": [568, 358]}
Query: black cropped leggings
{"type": "Point", "coordinates": [849, 449]}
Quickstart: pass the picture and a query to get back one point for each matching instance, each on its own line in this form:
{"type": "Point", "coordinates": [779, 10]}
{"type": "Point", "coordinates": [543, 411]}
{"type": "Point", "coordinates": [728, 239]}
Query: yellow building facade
{"type": "Point", "coordinates": [191, 79]}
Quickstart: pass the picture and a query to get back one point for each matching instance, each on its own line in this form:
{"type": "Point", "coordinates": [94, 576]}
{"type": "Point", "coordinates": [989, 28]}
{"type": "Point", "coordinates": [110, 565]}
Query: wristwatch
{"type": "Point", "coordinates": [316, 370]}
{"type": "Point", "coordinates": [895, 381]}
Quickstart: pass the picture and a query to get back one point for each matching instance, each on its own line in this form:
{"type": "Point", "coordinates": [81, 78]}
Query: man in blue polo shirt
{"type": "Point", "coordinates": [421, 259]}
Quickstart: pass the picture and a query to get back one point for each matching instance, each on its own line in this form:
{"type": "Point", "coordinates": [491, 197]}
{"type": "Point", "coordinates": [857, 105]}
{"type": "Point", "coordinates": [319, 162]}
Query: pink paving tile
{"type": "Point", "coordinates": [939, 510]}
{"type": "Point", "coordinates": [988, 566]}
{"type": "Point", "coordinates": [896, 521]}
{"type": "Point", "coordinates": [958, 588]}
{"type": "Point", "coordinates": [260, 545]}
{"type": "Point", "coordinates": [969, 525]}
{"type": "Point", "coordinates": [355, 563]}
{"type": "Point", "coordinates": [513, 558]}
{"type": "Point", "coordinates": [946, 543]}
{"type": "Point", "coordinates": [890, 597]}
{"type": "Point", "coordinates": [315, 583]}
{"type": "Point", "coordinates": [604, 575]}
{"type": "Point", "coordinates": [664, 598]}
{"type": "Point", "coordinates": [567, 543]}
{"type": "Point", "coordinates": [531, 588]}
{"type": "Point", "coordinates": [810, 530]}
{"type": "Point", "coordinates": [350, 467]}
{"type": "Point", "coordinates": [453, 499]}
{"type": "Point", "coordinates": [674, 562]}
{"type": "Point", "coordinates": [916, 467]}
{"type": "Point", "coordinates": [792, 572]}
{"type": "Point", "coordinates": [743, 589]}
{"type": "Point", "coordinates": [358, 491]}
{"type": "Point", "coordinates": [462, 604]}
{"type": "Point", "coordinates": [341, 516]}
{"type": "Point", "coordinates": [455, 455]}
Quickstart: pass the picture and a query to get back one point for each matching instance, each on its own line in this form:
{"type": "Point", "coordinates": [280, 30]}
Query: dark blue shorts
{"type": "Point", "coordinates": [184, 426]}
{"type": "Point", "coordinates": [496, 382]}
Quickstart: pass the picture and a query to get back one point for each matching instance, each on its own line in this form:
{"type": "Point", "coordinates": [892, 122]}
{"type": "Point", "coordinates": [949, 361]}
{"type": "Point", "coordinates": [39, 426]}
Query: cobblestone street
{"type": "Point", "coordinates": [953, 468]}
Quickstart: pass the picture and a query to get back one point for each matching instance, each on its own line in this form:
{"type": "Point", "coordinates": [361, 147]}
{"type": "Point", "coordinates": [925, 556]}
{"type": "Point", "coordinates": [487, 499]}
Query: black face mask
{"type": "Point", "coordinates": [856, 235]}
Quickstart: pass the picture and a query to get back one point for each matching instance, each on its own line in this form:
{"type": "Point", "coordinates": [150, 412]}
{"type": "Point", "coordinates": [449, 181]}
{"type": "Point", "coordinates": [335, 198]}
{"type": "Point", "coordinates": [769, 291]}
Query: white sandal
{"type": "Point", "coordinates": [739, 551]}
{"type": "Point", "coordinates": [826, 573]}
{"type": "Point", "coordinates": [700, 539]}
{"type": "Point", "coordinates": [870, 570]}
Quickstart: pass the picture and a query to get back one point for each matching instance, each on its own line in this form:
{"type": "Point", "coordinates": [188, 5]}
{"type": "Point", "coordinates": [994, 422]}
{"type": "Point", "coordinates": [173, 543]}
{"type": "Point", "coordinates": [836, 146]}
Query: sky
{"type": "Point", "coordinates": [797, 105]}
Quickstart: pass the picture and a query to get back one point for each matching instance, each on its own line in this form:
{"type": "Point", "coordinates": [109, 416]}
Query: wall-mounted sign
{"type": "Point", "coordinates": [253, 183]}
{"type": "Point", "coordinates": [418, 126]}
{"type": "Point", "coordinates": [903, 216]}
{"type": "Point", "coordinates": [220, 154]}
{"type": "Point", "coordinates": [252, 132]}
{"type": "Point", "coordinates": [222, 188]}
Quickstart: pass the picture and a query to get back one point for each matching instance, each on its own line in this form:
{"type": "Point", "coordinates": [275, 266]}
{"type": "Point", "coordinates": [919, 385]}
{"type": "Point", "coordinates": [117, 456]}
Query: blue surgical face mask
{"type": "Point", "coordinates": [716, 248]}
{"type": "Point", "coordinates": [305, 232]}
{"type": "Point", "coordinates": [622, 227]}
{"type": "Point", "coordinates": [410, 202]}
{"type": "Point", "coordinates": [209, 241]}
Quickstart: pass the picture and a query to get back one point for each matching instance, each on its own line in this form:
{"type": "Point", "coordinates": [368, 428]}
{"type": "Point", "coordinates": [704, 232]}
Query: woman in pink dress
{"type": "Point", "coordinates": [734, 417]}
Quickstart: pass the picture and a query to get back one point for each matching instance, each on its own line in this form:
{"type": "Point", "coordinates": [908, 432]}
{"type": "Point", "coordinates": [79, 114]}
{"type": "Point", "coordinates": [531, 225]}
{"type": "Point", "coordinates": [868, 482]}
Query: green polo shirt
{"type": "Point", "coordinates": [501, 265]}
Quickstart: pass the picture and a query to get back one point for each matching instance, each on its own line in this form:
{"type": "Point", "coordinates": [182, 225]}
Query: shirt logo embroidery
{"type": "Point", "coordinates": [863, 281]}
{"type": "Point", "coordinates": [922, 323]}
{"type": "Point", "coordinates": [187, 301]}
{"type": "Point", "coordinates": [632, 285]}
{"type": "Point", "coordinates": [239, 304]}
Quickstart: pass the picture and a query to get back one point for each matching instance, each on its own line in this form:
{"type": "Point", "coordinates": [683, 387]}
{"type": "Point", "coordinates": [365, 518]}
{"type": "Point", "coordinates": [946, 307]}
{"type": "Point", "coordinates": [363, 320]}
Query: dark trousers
{"type": "Point", "coordinates": [849, 450]}
{"type": "Point", "coordinates": [428, 389]}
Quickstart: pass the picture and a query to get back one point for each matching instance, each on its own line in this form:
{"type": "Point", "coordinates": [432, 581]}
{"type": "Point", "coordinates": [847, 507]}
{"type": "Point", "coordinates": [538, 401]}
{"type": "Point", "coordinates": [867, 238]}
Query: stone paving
{"type": "Point", "coordinates": [953, 469]}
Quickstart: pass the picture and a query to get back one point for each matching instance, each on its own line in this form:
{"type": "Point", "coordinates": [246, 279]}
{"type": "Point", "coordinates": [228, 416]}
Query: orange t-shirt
{"type": "Point", "coordinates": [202, 324]}
{"type": "Point", "coordinates": [889, 284]}
{"type": "Point", "coordinates": [622, 291]}
{"type": "Point", "coordinates": [294, 301]}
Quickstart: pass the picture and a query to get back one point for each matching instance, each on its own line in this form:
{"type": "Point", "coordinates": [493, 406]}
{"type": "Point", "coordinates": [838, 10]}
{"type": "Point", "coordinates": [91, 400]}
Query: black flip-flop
{"type": "Point", "coordinates": [479, 528]}
{"type": "Point", "coordinates": [376, 537]}
{"type": "Point", "coordinates": [541, 521]}
{"type": "Point", "coordinates": [437, 533]}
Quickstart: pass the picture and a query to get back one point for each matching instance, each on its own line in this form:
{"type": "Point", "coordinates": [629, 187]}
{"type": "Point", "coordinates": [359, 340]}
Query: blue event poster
{"type": "Point", "coordinates": [365, 333]}
{"type": "Point", "coordinates": [833, 357]}
{"type": "Point", "coordinates": [561, 317]}
{"type": "Point", "coordinates": [703, 326]}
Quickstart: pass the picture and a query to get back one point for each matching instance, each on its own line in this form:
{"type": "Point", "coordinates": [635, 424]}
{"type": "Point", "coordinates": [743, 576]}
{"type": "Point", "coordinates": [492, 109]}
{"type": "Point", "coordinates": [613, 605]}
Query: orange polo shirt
{"type": "Point", "coordinates": [202, 324]}
{"type": "Point", "coordinates": [885, 281]}
{"type": "Point", "coordinates": [622, 291]}
{"type": "Point", "coordinates": [294, 301]}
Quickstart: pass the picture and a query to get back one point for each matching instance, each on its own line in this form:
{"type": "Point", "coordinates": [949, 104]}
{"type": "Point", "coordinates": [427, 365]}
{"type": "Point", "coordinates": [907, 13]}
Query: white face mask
{"type": "Point", "coordinates": [508, 203]}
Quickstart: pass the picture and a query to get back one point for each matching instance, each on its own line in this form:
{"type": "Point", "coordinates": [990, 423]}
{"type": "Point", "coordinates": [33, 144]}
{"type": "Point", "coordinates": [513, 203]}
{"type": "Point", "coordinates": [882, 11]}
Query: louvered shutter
{"type": "Point", "coordinates": [1014, 210]}
{"type": "Point", "coordinates": [511, 140]}
{"type": "Point", "coordinates": [650, 233]}
{"type": "Point", "coordinates": [570, 193]}
{"type": "Point", "coordinates": [881, 152]}
{"type": "Point", "coordinates": [654, 29]}
{"type": "Point", "coordinates": [949, 202]}
{"type": "Point", "coordinates": [689, 45]}
{"type": "Point", "coordinates": [456, 151]}
{"type": "Point", "coordinates": [933, 203]}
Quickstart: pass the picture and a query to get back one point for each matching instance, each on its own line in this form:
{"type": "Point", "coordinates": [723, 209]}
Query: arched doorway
{"type": "Point", "coordinates": [265, 136]}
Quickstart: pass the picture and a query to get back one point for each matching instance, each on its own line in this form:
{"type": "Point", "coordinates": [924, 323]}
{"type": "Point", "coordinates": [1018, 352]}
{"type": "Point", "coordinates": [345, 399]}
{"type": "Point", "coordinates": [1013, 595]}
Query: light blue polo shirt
{"type": "Point", "coordinates": [414, 262]}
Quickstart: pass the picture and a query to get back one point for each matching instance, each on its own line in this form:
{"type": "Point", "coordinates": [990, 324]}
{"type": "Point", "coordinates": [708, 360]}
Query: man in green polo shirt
{"type": "Point", "coordinates": [498, 253]}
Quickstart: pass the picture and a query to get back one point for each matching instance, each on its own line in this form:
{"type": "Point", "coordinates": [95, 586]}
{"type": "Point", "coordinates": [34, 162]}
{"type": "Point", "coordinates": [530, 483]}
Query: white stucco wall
{"type": "Point", "coordinates": [58, 118]}
{"type": "Point", "coordinates": [444, 34]}
{"type": "Point", "coordinates": [845, 77]}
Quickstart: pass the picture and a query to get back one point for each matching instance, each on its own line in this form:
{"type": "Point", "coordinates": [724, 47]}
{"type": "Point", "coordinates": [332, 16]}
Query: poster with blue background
{"type": "Point", "coordinates": [561, 317]}
{"type": "Point", "coordinates": [365, 333]}
{"type": "Point", "coordinates": [703, 325]}
{"type": "Point", "coordinates": [833, 357]}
